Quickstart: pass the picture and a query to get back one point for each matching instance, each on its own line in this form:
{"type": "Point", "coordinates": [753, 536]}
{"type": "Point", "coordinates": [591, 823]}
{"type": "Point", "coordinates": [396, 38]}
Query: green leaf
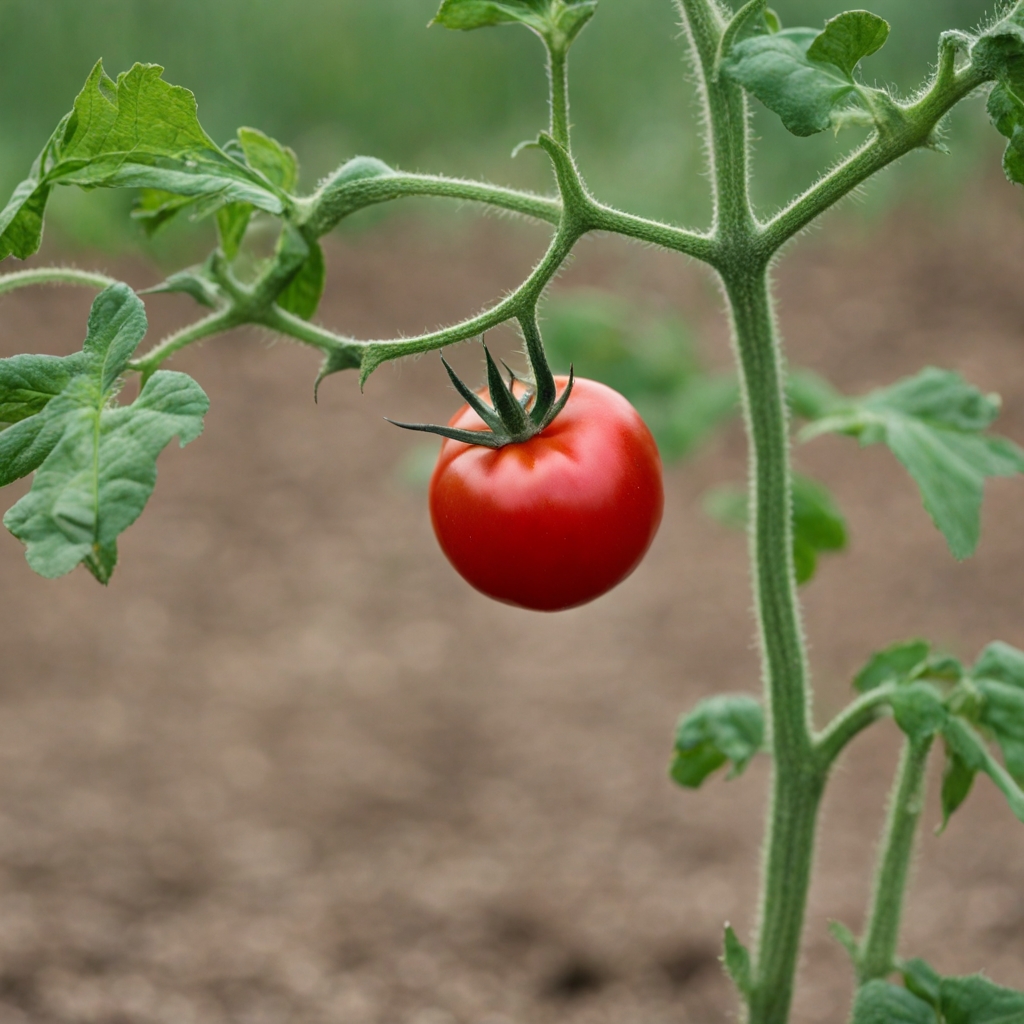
{"type": "Point", "coordinates": [232, 224]}
{"type": "Point", "coordinates": [737, 962]}
{"type": "Point", "coordinates": [806, 76]}
{"type": "Point", "coordinates": [934, 424]}
{"type": "Point", "coordinates": [139, 132]}
{"type": "Point", "coordinates": [558, 21]}
{"type": "Point", "coordinates": [998, 678]}
{"type": "Point", "coordinates": [919, 710]}
{"type": "Point", "coordinates": [878, 1002]}
{"type": "Point", "coordinates": [922, 980]}
{"type": "Point", "coordinates": [965, 744]}
{"type": "Point", "coordinates": [303, 294]}
{"type": "Point", "coordinates": [847, 39]}
{"type": "Point", "coordinates": [99, 460]}
{"type": "Point", "coordinates": [277, 163]}
{"type": "Point", "coordinates": [154, 208]}
{"type": "Point", "coordinates": [27, 383]}
{"type": "Point", "coordinates": [957, 782]}
{"type": "Point", "coordinates": [976, 1000]}
{"type": "Point", "coordinates": [818, 524]}
{"type": "Point", "coordinates": [896, 664]}
{"type": "Point", "coordinates": [999, 50]}
{"type": "Point", "coordinates": [1000, 662]}
{"type": "Point", "coordinates": [1002, 711]}
{"type": "Point", "coordinates": [719, 729]}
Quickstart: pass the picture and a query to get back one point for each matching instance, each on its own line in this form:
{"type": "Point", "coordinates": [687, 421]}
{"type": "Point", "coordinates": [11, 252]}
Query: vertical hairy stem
{"type": "Point", "coordinates": [878, 947]}
{"type": "Point", "coordinates": [558, 72]}
{"type": "Point", "coordinates": [725, 111]}
{"type": "Point", "coordinates": [798, 778]}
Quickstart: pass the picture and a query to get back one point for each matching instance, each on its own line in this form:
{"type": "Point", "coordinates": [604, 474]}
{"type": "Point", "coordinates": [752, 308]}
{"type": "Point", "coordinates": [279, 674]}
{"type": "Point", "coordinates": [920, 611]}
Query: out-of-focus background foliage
{"type": "Point", "coordinates": [339, 77]}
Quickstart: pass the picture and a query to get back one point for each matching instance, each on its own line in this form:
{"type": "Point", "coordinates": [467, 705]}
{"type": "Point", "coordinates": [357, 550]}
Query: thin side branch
{"type": "Point", "coordinates": [329, 208]}
{"type": "Point", "coordinates": [919, 122]}
{"type": "Point", "coordinates": [690, 243]}
{"type": "Point", "coordinates": [54, 275]}
{"type": "Point", "coordinates": [850, 722]}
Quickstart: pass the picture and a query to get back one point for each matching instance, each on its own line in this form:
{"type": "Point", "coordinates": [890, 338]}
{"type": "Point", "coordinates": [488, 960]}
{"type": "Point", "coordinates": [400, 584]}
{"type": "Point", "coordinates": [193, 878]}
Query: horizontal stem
{"type": "Point", "coordinates": [54, 275]}
{"type": "Point", "coordinates": [690, 243]}
{"type": "Point", "coordinates": [327, 341]}
{"type": "Point", "coordinates": [331, 207]}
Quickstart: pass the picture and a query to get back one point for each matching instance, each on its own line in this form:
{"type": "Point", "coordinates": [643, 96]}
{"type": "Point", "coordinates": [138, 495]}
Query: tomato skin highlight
{"type": "Point", "coordinates": [556, 521]}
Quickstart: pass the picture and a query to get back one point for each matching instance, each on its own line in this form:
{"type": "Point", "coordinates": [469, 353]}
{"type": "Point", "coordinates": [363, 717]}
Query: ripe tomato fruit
{"type": "Point", "coordinates": [558, 520]}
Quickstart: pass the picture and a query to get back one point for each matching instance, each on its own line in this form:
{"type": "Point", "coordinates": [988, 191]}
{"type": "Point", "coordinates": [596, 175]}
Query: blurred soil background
{"type": "Point", "coordinates": [288, 767]}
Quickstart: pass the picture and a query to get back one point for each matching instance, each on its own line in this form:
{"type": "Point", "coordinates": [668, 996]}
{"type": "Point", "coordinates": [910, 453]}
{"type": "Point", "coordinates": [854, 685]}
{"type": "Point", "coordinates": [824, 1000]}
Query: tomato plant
{"type": "Point", "coordinates": [93, 459]}
{"type": "Point", "coordinates": [557, 520]}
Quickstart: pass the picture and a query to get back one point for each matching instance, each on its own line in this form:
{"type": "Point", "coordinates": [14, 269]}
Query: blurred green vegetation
{"type": "Point", "coordinates": [338, 77]}
{"type": "Point", "coordinates": [648, 357]}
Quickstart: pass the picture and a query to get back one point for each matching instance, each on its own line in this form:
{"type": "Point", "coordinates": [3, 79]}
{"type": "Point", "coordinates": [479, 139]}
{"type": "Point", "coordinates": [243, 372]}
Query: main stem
{"type": "Point", "coordinates": [878, 948]}
{"type": "Point", "coordinates": [797, 778]}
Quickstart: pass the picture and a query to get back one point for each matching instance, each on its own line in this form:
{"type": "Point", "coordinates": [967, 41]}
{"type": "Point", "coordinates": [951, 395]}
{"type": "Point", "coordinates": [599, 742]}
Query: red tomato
{"type": "Point", "coordinates": [558, 520]}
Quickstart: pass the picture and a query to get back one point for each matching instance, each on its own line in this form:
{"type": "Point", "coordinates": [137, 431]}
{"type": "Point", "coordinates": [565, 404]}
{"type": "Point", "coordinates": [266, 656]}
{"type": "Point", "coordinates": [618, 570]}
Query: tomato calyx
{"type": "Point", "coordinates": [510, 418]}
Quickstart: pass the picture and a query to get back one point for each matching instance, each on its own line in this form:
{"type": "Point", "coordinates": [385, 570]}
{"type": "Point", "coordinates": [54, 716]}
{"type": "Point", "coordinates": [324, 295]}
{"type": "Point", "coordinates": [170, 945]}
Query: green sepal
{"type": "Point", "coordinates": [137, 132]}
{"type": "Point", "coordinates": [879, 1002]}
{"type": "Point", "coordinates": [897, 663]}
{"type": "Point", "coordinates": [737, 963]}
{"type": "Point", "coordinates": [935, 424]}
{"type": "Point", "coordinates": [481, 408]}
{"type": "Point", "coordinates": [558, 22]}
{"type": "Point", "coordinates": [806, 76]}
{"type": "Point", "coordinates": [508, 419]}
{"type": "Point", "coordinates": [728, 728]}
{"type": "Point", "coordinates": [511, 414]}
{"type": "Point", "coordinates": [95, 461]}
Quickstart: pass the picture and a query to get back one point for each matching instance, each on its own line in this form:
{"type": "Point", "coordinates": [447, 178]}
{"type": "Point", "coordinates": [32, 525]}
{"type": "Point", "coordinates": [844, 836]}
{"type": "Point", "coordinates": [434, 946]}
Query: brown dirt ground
{"type": "Point", "coordinates": [290, 768]}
